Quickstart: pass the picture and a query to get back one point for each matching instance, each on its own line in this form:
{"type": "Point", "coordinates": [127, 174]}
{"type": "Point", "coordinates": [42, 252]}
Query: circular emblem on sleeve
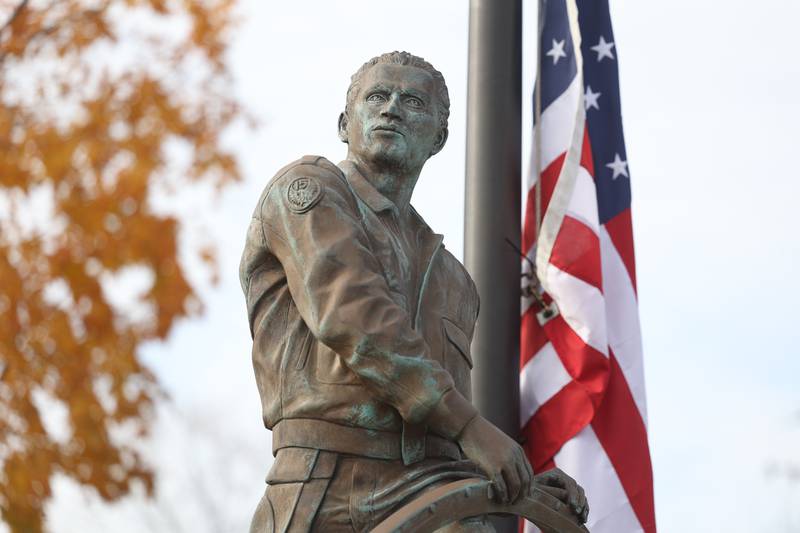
{"type": "Point", "coordinates": [303, 194]}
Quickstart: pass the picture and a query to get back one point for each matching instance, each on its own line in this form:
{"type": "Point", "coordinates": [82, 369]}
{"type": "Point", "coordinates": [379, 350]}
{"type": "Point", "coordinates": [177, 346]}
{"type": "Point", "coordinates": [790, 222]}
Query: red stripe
{"type": "Point", "coordinates": [548, 180]}
{"type": "Point", "coordinates": [620, 229]}
{"type": "Point", "coordinates": [622, 433]}
{"type": "Point", "coordinates": [585, 364]}
{"type": "Point", "coordinates": [576, 251]}
{"type": "Point", "coordinates": [557, 421]}
{"type": "Point", "coordinates": [532, 336]}
{"type": "Point", "coordinates": [587, 161]}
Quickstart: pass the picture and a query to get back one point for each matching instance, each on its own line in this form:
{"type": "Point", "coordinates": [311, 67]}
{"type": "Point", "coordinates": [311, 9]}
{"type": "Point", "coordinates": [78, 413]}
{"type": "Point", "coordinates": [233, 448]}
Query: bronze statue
{"type": "Point", "coordinates": [362, 323]}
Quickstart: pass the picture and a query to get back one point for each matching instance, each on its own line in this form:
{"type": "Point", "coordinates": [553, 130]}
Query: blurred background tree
{"type": "Point", "coordinates": [110, 110]}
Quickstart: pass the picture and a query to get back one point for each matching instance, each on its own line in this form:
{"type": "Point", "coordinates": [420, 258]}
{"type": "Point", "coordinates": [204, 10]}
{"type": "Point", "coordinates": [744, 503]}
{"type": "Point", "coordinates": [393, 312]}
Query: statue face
{"type": "Point", "coordinates": [394, 120]}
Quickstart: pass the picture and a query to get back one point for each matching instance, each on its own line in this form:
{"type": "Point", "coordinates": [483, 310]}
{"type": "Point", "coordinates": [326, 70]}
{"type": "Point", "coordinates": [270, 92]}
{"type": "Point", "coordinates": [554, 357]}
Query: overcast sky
{"type": "Point", "coordinates": [710, 115]}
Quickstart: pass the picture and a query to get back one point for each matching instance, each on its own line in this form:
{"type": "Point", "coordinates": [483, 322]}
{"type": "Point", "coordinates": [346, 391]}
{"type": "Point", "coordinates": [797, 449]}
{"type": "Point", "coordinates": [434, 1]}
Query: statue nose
{"type": "Point", "coordinates": [391, 109]}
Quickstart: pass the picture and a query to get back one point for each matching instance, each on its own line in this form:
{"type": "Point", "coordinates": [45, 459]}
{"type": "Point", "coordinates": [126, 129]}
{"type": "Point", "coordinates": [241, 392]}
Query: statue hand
{"type": "Point", "coordinates": [566, 489]}
{"type": "Point", "coordinates": [499, 457]}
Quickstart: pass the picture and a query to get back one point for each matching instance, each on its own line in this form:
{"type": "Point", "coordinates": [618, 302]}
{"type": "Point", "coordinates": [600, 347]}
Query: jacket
{"type": "Point", "coordinates": [354, 339]}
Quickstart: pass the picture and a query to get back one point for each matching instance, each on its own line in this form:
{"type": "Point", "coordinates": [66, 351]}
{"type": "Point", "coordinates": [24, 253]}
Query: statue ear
{"type": "Point", "coordinates": [440, 140]}
{"type": "Point", "coordinates": [343, 127]}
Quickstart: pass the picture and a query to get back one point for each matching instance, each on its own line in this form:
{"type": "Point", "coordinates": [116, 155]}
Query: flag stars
{"type": "Point", "coordinates": [603, 49]}
{"type": "Point", "coordinates": [619, 167]}
{"type": "Point", "coordinates": [590, 98]}
{"type": "Point", "coordinates": [557, 51]}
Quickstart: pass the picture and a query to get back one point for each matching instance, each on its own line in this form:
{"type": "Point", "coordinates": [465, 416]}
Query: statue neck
{"type": "Point", "coordinates": [395, 184]}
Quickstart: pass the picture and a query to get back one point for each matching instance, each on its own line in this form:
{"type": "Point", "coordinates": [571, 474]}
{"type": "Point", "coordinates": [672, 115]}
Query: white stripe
{"type": "Point", "coordinates": [584, 458]}
{"type": "Point", "coordinates": [581, 305]}
{"type": "Point", "coordinates": [583, 204]}
{"type": "Point", "coordinates": [558, 120]}
{"type": "Point", "coordinates": [530, 528]}
{"type": "Point", "coordinates": [622, 309]}
{"type": "Point", "coordinates": [541, 378]}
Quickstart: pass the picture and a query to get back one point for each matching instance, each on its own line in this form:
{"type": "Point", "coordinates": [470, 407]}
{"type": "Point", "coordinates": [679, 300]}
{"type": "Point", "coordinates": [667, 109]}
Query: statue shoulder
{"type": "Point", "coordinates": [302, 183]}
{"type": "Point", "coordinates": [309, 165]}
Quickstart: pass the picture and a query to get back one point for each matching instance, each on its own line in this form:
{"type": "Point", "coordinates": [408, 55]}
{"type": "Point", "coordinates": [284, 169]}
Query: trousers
{"type": "Point", "coordinates": [320, 491]}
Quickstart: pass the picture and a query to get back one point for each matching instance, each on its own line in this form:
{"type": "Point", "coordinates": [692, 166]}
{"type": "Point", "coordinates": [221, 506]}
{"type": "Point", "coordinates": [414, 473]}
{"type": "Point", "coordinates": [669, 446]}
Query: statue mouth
{"type": "Point", "coordinates": [389, 128]}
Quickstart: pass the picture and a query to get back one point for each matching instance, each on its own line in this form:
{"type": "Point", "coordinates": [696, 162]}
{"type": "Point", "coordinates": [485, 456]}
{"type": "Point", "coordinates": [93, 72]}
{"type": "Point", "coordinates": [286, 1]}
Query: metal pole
{"type": "Point", "coordinates": [492, 207]}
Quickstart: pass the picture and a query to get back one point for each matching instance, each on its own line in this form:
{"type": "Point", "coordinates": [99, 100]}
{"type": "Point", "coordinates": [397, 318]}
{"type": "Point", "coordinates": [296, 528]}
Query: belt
{"type": "Point", "coordinates": [324, 435]}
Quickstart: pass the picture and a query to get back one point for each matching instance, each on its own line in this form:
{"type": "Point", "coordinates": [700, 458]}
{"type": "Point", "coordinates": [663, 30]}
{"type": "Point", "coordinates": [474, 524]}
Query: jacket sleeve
{"type": "Point", "coordinates": [311, 223]}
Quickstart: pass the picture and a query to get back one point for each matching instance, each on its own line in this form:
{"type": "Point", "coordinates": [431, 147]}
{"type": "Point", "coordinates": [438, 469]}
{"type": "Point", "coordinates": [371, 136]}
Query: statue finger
{"type": "Point", "coordinates": [499, 486]}
{"type": "Point", "coordinates": [553, 478]}
{"type": "Point", "coordinates": [529, 469]}
{"type": "Point", "coordinates": [525, 479]}
{"type": "Point", "coordinates": [581, 498]}
{"type": "Point", "coordinates": [513, 483]}
{"type": "Point", "coordinates": [560, 494]}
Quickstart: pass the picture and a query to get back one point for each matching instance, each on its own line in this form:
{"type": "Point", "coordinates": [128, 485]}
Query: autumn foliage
{"type": "Point", "coordinates": [108, 110]}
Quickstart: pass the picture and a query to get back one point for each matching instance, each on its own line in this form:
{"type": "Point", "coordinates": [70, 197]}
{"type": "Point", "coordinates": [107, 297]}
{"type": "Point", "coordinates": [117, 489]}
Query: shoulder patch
{"type": "Point", "coordinates": [303, 193]}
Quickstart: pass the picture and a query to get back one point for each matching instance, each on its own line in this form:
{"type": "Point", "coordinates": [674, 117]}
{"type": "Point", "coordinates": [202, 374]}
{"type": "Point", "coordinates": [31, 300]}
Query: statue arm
{"type": "Point", "coordinates": [341, 293]}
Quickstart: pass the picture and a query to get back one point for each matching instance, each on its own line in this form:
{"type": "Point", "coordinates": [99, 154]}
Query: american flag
{"type": "Point", "coordinates": [581, 376]}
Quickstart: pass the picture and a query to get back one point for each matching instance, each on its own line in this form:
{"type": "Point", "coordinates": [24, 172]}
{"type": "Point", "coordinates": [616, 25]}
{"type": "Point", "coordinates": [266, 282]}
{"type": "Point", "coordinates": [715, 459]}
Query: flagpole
{"type": "Point", "coordinates": [492, 212]}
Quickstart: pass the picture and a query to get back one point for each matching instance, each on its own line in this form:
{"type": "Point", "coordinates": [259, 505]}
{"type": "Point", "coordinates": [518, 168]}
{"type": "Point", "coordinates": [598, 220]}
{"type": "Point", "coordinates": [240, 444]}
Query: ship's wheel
{"type": "Point", "coordinates": [469, 497]}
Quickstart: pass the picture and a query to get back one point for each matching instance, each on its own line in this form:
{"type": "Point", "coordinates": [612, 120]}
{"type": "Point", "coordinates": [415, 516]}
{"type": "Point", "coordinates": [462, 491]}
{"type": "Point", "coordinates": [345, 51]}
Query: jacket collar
{"type": "Point", "coordinates": [365, 190]}
{"type": "Point", "coordinates": [378, 203]}
{"type": "Point", "coordinates": [428, 242]}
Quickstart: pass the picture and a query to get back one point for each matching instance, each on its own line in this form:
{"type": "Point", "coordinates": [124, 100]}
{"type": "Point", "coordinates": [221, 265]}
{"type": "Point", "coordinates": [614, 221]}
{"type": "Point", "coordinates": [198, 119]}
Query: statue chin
{"type": "Point", "coordinates": [388, 160]}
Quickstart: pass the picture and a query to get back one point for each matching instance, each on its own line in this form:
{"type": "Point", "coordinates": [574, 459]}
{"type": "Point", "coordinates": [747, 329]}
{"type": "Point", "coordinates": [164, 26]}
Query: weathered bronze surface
{"type": "Point", "coordinates": [362, 323]}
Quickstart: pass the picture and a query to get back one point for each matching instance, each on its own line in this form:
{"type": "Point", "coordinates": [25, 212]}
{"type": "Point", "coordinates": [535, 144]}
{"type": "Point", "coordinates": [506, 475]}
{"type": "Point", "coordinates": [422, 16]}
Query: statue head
{"type": "Point", "coordinates": [396, 112]}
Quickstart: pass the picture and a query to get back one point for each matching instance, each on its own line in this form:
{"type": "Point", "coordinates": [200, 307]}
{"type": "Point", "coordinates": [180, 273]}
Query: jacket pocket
{"type": "Point", "coordinates": [457, 359]}
{"type": "Point", "coordinates": [459, 339]}
{"type": "Point", "coordinates": [305, 349]}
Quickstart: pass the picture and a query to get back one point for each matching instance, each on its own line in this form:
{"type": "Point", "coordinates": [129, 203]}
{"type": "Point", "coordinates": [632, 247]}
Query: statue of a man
{"type": "Point", "coordinates": [362, 323]}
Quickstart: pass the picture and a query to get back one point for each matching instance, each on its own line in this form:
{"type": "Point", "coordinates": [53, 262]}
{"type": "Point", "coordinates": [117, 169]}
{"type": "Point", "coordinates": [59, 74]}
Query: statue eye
{"type": "Point", "coordinates": [376, 98]}
{"type": "Point", "coordinates": [414, 102]}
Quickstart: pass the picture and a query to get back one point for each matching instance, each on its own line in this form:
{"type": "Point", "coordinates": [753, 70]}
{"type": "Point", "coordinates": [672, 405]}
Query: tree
{"type": "Point", "coordinates": [108, 107]}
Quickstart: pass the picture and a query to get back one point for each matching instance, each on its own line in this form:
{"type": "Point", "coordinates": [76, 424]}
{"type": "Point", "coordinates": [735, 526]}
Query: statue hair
{"type": "Point", "coordinates": [404, 58]}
